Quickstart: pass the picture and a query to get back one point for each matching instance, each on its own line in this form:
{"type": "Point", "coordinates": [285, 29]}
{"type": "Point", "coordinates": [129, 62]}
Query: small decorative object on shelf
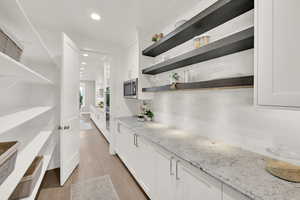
{"type": "Point", "coordinates": [186, 75]}
{"type": "Point", "coordinates": [173, 86]}
{"type": "Point", "coordinates": [145, 112]}
{"type": "Point", "coordinates": [174, 77]}
{"type": "Point", "coordinates": [201, 41]}
{"type": "Point", "coordinates": [180, 22]}
{"type": "Point", "coordinates": [157, 37]}
{"type": "Point", "coordinates": [101, 104]}
{"type": "Point", "coordinates": [149, 115]}
{"type": "Point", "coordinates": [165, 57]}
{"type": "Point", "coordinates": [141, 118]}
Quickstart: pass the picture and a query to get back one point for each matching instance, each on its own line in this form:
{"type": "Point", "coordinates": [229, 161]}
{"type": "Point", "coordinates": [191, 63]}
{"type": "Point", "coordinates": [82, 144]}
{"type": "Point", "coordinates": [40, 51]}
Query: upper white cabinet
{"type": "Point", "coordinates": [277, 53]}
{"type": "Point", "coordinates": [135, 62]}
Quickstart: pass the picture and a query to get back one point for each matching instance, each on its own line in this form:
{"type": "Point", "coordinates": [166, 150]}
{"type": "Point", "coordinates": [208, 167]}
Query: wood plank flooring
{"type": "Point", "coordinates": [95, 161]}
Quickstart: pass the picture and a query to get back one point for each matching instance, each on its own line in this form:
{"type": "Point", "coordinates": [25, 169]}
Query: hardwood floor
{"type": "Point", "coordinates": [95, 161]}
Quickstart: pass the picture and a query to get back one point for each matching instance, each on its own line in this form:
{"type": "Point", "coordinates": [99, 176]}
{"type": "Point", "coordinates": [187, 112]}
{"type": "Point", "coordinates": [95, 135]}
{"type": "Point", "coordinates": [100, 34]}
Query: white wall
{"type": "Point", "coordinates": [227, 115]}
{"type": "Point", "coordinates": [124, 68]}
{"type": "Point", "coordinates": [90, 91]}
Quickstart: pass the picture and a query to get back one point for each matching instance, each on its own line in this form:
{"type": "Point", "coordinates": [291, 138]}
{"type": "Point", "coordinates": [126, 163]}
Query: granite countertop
{"type": "Point", "coordinates": [236, 167]}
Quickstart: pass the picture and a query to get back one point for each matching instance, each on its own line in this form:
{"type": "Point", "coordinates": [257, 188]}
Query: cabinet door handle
{"type": "Point", "coordinates": [177, 176]}
{"type": "Point", "coordinates": [171, 166]}
{"type": "Point", "coordinates": [118, 127]}
{"type": "Point", "coordinates": [66, 127]}
{"type": "Point", "coordinates": [134, 139]}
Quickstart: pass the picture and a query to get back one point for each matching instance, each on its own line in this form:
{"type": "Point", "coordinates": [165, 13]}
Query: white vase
{"type": "Point", "coordinates": [148, 119]}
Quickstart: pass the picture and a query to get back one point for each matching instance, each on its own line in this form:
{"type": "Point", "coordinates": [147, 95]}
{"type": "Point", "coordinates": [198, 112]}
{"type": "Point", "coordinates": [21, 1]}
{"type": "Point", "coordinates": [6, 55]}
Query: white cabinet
{"type": "Point", "coordinates": [193, 184]}
{"type": "Point", "coordinates": [277, 53]}
{"type": "Point", "coordinates": [175, 181]}
{"type": "Point", "coordinates": [138, 155]}
{"type": "Point", "coordinates": [231, 194]}
{"type": "Point", "coordinates": [99, 118]}
{"type": "Point", "coordinates": [124, 146]}
{"type": "Point", "coordinates": [164, 176]}
{"type": "Point", "coordinates": [145, 166]}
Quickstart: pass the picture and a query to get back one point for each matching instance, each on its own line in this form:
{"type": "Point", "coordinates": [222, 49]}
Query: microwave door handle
{"type": "Point", "coordinates": [131, 88]}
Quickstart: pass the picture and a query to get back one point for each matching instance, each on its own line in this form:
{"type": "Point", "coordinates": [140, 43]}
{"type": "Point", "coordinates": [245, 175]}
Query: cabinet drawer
{"type": "Point", "coordinates": [124, 129]}
{"type": "Point", "coordinates": [195, 184]}
{"type": "Point", "coordinates": [231, 194]}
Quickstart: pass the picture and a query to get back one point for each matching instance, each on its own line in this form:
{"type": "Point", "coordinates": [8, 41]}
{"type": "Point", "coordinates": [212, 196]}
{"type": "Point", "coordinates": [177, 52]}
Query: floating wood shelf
{"type": "Point", "coordinates": [246, 81]}
{"type": "Point", "coordinates": [215, 15]}
{"type": "Point", "coordinates": [232, 44]}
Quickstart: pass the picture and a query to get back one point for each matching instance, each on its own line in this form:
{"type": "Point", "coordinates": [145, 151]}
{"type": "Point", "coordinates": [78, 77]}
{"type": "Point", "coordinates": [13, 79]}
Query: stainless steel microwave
{"type": "Point", "coordinates": [130, 88]}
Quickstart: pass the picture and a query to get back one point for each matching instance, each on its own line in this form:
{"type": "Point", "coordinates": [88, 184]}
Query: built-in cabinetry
{"type": "Point", "coordinates": [28, 106]}
{"type": "Point", "coordinates": [277, 57]}
{"type": "Point", "coordinates": [31, 111]}
{"type": "Point", "coordinates": [135, 63]}
{"type": "Point", "coordinates": [98, 116]}
{"type": "Point", "coordinates": [164, 176]}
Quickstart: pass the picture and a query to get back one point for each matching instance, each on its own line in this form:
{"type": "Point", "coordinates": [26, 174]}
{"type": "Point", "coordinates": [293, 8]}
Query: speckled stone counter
{"type": "Point", "coordinates": [241, 169]}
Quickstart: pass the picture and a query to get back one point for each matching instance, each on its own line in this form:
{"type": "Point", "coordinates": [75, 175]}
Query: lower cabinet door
{"type": "Point", "coordinates": [145, 166]}
{"type": "Point", "coordinates": [124, 143]}
{"type": "Point", "coordinates": [164, 176]}
{"type": "Point", "coordinates": [193, 184]}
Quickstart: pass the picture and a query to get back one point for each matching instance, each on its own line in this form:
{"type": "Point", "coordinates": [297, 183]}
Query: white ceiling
{"type": "Point", "coordinates": [120, 18]}
{"type": "Point", "coordinates": [94, 67]}
{"type": "Point", "coordinates": [118, 23]}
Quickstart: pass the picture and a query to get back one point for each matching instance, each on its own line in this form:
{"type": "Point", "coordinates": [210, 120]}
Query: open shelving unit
{"type": "Point", "coordinates": [24, 160]}
{"type": "Point", "coordinates": [236, 82]}
{"type": "Point", "coordinates": [15, 119]}
{"type": "Point", "coordinates": [11, 68]}
{"type": "Point", "coordinates": [46, 161]}
{"type": "Point", "coordinates": [237, 42]}
{"type": "Point", "coordinates": [27, 110]}
{"type": "Point", "coordinates": [215, 15]}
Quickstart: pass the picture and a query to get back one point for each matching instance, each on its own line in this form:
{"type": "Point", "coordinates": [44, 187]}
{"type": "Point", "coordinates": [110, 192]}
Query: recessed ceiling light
{"type": "Point", "coordinates": [83, 63]}
{"type": "Point", "coordinates": [85, 55]}
{"type": "Point", "coordinates": [95, 16]}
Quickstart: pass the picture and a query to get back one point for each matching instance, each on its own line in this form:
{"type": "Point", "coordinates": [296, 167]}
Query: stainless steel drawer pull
{"type": "Point", "coordinates": [136, 141]}
{"type": "Point", "coordinates": [177, 176]}
{"type": "Point", "coordinates": [171, 166]}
